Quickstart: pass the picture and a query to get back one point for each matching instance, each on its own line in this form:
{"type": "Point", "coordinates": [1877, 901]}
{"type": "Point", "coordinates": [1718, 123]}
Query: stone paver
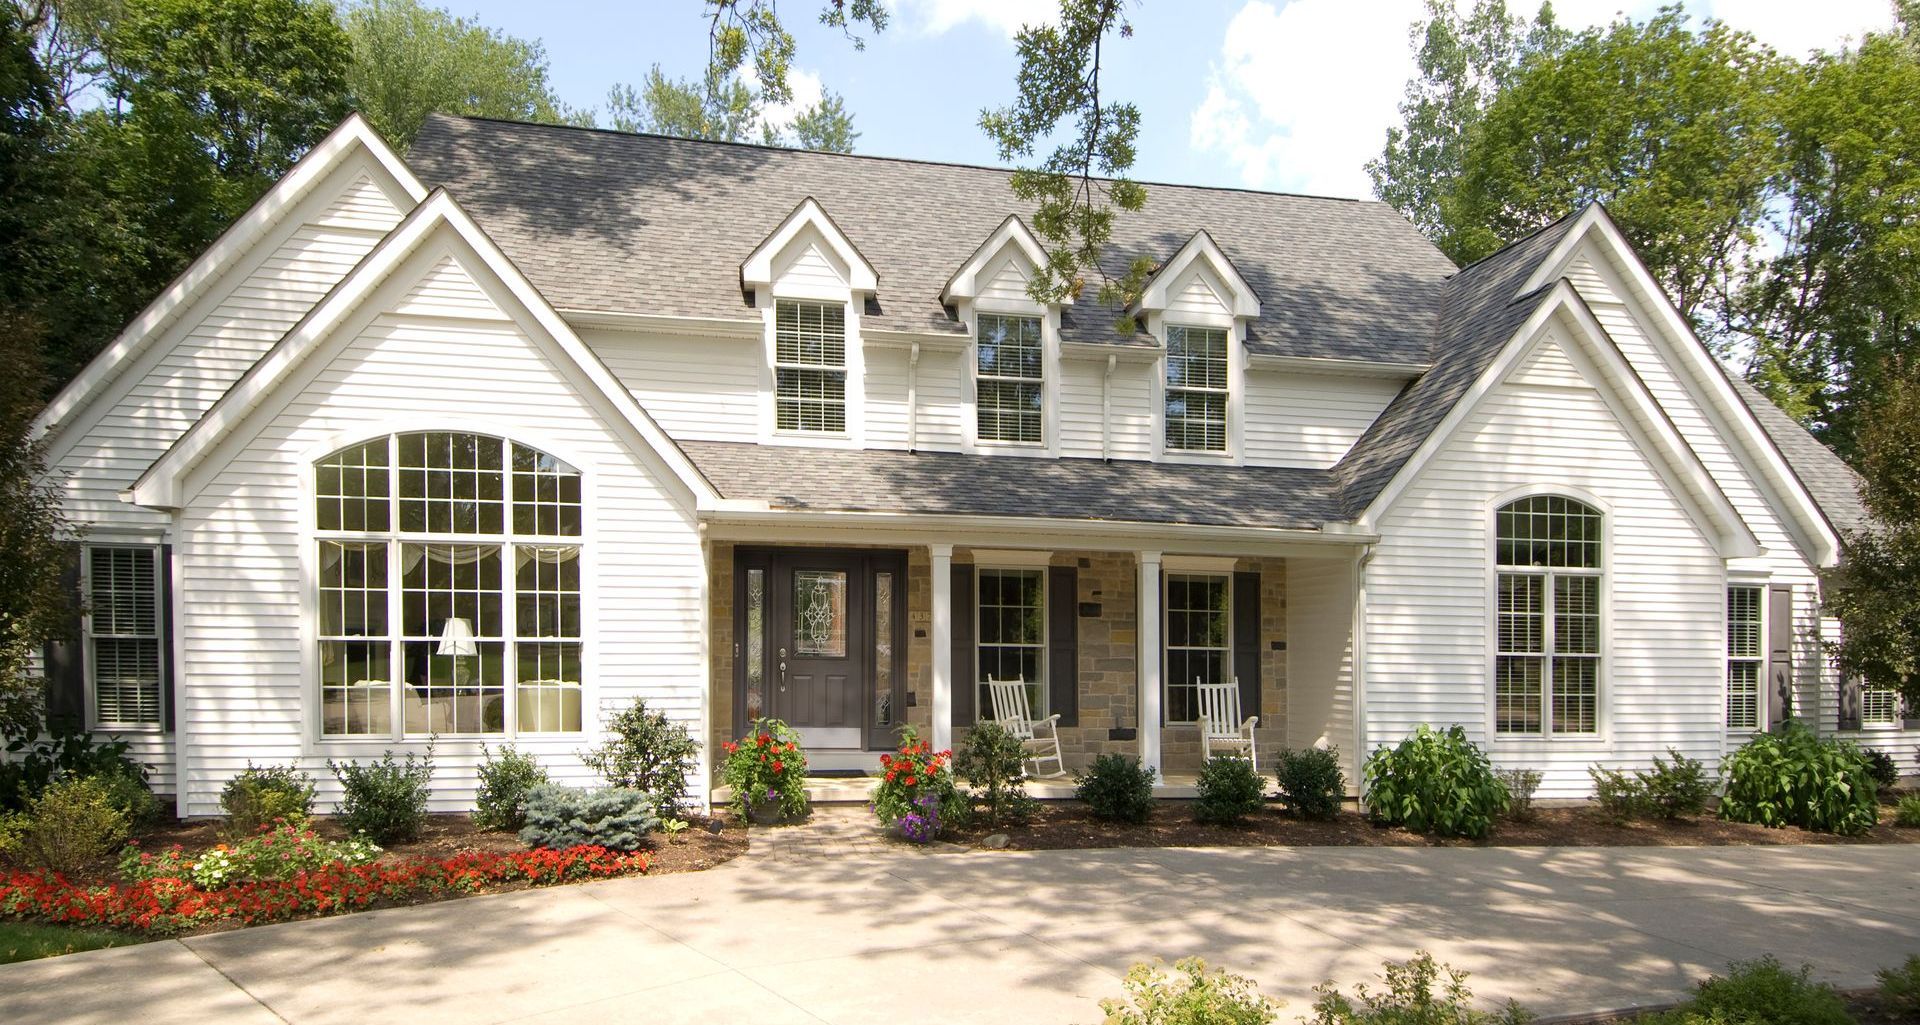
{"type": "Point", "coordinates": [826, 922]}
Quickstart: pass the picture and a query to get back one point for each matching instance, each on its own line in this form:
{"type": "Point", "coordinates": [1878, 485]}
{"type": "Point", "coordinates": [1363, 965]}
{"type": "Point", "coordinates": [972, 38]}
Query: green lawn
{"type": "Point", "coordinates": [24, 941]}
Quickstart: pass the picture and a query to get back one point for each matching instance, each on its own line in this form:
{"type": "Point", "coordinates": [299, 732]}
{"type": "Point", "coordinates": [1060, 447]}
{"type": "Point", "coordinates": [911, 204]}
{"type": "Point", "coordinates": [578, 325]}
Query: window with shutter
{"type": "Point", "coordinates": [123, 624]}
{"type": "Point", "coordinates": [1746, 656]}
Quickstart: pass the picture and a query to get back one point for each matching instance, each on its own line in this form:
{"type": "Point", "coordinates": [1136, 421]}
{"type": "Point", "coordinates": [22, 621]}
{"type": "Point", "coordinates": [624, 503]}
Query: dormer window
{"type": "Point", "coordinates": [1196, 412]}
{"type": "Point", "coordinates": [810, 366]}
{"type": "Point", "coordinates": [1010, 366]}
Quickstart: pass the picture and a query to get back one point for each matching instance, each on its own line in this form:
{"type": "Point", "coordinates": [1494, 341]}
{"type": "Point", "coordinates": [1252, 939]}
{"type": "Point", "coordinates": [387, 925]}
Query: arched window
{"type": "Point", "coordinates": [1549, 557]}
{"type": "Point", "coordinates": [449, 588]}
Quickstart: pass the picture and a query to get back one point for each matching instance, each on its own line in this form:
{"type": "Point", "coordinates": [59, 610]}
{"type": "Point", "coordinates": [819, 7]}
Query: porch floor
{"type": "Point", "coordinates": [853, 789]}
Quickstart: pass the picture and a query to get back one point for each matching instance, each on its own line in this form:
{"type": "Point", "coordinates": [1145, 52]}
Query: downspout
{"type": "Point", "coordinates": [1106, 410]}
{"type": "Point", "coordinates": [1359, 671]}
{"type": "Point", "coordinates": [913, 403]}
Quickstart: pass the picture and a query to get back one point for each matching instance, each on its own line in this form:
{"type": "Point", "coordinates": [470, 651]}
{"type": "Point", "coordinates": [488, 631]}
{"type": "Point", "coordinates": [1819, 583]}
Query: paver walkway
{"type": "Point", "coordinates": [801, 933]}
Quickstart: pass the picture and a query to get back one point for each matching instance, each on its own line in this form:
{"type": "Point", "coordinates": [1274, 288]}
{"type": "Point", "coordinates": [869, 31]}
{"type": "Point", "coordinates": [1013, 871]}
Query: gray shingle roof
{"type": "Point", "coordinates": [1832, 483]}
{"type": "Point", "coordinates": [821, 479]}
{"type": "Point", "coordinates": [644, 224]}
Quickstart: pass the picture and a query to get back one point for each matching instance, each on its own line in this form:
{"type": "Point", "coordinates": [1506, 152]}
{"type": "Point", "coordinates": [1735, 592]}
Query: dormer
{"type": "Point", "coordinates": [1197, 306]}
{"type": "Point", "coordinates": [810, 283]}
{"type": "Point", "coordinates": [999, 270]}
{"type": "Point", "coordinates": [808, 257]}
{"type": "Point", "coordinates": [1013, 352]}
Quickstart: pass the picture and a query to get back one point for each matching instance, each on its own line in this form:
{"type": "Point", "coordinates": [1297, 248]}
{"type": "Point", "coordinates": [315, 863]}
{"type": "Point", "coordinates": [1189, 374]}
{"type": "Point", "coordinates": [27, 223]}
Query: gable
{"type": "Point", "coordinates": [1005, 279]}
{"type": "Point", "coordinates": [1198, 294]}
{"type": "Point", "coordinates": [808, 265]}
{"type": "Point", "coordinates": [807, 243]}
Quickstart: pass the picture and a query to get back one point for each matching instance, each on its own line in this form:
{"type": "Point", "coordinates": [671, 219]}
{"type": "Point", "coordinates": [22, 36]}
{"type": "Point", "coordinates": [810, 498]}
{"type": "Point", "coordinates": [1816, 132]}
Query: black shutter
{"type": "Point", "coordinates": [966, 678]}
{"type": "Point", "coordinates": [66, 658]}
{"type": "Point", "coordinates": [1780, 655]}
{"type": "Point", "coordinates": [1063, 643]}
{"type": "Point", "coordinates": [1246, 640]}
{"type": "Point", "coordinates": [163, 577]}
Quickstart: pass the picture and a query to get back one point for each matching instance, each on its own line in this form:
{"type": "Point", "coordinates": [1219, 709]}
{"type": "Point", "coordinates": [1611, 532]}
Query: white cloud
{"type": "Point", "coordinates": [807, 91]}
{"type": "Point", "coordinates": [1302, 93]}
{"type": "Point", "coordinates": [1007, 17]}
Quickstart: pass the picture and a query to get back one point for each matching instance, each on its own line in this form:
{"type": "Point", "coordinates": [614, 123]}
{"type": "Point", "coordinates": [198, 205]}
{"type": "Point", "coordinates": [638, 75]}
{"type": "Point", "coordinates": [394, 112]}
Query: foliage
{"type": "Point", "coordinates": [1900, 988]}
{"type": "Point", "coordinates": [1410, 999]}
{"type": "Point", "coordinates": [749, 33]}
{"type": "Point", "coordinates": [386, 800]}
{"type": "Point", "coordinates": [993, 764]}
{"type": "Point", "coordinates": [1794, 778]}
{"type": "Point", "coordinates": [411, 60]}
{"type": "Point", "coordinates": [767, 765]}
{"type": "Point", "coordinates": [1884, 770]}
{"type": "Point", "coordinates": [1116, 788]}
{"type": "Point", "coordinates": [616, 818]}
{"type": "Point", "coordinates": [66, 752]}
{"type": "Point", "coordinates": [1521, 785]}
{"type": "Point", "coordinates": [1906, 813]}
{"type": "Point", "coordinates": [263, 795]}
{"type": "Point", "coordinates": [826, 126]}
{"type": "Point", "coordinates": [1191, 995]}
{"type": "Point", "coordinates": [1229, 790]}
{"type": "Point", "coordinates": [166, 906]}
{"type": "Point", "coordinates": [1875, 590]}
{"type": "Point", "coordinates": [1618, 795]}
{"type": "Point", "coordinates": [1311, 783]}
{"type": "Point", "coordinates": [501, 800]}
{"type": "Point", "coordinates": [34, 606]}
{"type": "Point", "coordinates": [1076, 190]}
{"type": "Point", "coordinates": [727, 110]}
{"type": "Point", "coordinates": [922, 825]}
{"type": "Point", "coordinates": [1669, 790]}
{"type": "Point", "coordinates": [1434, 782]}
{"type": "Point", "coordinates": [280, 850]}
{"type": "Point", "coordinates": [647, 751]}
{"type": "Point", "coordinates": [69, 825]}
{"type": "Point", "coordinates": [1758, 991]}
{"type": "Point", "coordinates": [915, 771]}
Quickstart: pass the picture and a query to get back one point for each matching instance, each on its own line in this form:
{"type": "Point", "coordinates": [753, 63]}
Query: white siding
{"type": "Point", "coordinates": [943, 383]}
{"type": "Point", "coordinates": [808, 262]}
{"type": "Point", "coordinates": [242, 539]}
{"type": "Point", "coordinates": [1080, 407]}
{"type": "Point", "coordinates": [1427, 650]}
{"type": "Point", "coordinates": [887, 397]}
{"type": "Point", "coordinates": [1006, 279]}
{"type": "Point", "coordinates": [1193, 296]}
{"type": "Point", "coordinates": [1310, 420]}
{"type": "Point", "coordinates": [698, 389]}
{"type": "Point", "coordinates": [1320, 658]}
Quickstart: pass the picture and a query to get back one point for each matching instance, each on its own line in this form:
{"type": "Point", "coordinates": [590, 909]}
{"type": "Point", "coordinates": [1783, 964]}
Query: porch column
{"type": "Point", "coordinates": [942, 556]}
{"type": "Point", "coordinates": [1147, 660]}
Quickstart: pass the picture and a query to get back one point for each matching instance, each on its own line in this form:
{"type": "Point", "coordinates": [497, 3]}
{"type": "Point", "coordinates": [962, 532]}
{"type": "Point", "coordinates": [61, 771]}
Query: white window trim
{"type": "Point", "coordinates": [161, 624]}
{"type": "Point", "coordinates": [853, 367]}
{"type": "Point", "coordinates": [1894, 721]}
{"type": "Point", "coordinates": [1183, 567]}
{"type": "Point", "coordinates": [1603, 718]}
{"type": "Point", "coordinates": [1760, 584]}
{"type": "Point", "coordinates": [1014, 562]}
{"type": "Point", "coordinates": [1049, 380]}
{"type": "Point", "coordinates": [1235, 451]}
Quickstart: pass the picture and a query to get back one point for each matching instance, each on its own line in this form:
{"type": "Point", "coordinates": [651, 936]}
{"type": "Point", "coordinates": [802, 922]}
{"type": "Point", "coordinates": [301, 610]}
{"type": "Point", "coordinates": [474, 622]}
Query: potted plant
{"type": "Point", "coordinates": [916, 796]}
{"type": "Point", "coordinates": [767, 773]}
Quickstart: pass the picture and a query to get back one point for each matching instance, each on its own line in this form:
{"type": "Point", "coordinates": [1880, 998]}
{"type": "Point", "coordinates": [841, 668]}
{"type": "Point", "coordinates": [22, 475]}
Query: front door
{"type": "Point", "coordinates": [824, 626]}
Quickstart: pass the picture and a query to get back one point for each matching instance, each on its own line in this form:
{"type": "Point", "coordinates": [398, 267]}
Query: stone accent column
{"type": "Point", "coordinates": [942, 556]}
{"type": "Point", "coordinates": [1147, 665]}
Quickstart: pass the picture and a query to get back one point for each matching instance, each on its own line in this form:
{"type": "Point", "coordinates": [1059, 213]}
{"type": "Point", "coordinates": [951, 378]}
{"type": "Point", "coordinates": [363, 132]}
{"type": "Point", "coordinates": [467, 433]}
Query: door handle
{"type": "Point", "coordinates": [783, 670]}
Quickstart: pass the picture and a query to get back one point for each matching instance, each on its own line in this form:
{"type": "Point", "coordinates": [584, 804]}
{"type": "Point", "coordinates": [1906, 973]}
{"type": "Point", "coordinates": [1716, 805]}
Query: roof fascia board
{"type": "Point", "coordinates": [888, 338]}
{"type": "Point", "coordinates": [1241, 300]}
{"type": "Point", "coordinates": [666, 325]}
{"type": "Point", "coordinates": [964, 282]}
{"type": "Point", "coordinates": [200, 275]}
{"type": "Point", "coordinates": [756, 272]}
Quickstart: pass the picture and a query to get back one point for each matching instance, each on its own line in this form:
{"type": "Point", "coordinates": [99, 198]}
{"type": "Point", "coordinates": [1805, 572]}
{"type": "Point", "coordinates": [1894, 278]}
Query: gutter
{"type": "Point", "coordinates": [944, 527]}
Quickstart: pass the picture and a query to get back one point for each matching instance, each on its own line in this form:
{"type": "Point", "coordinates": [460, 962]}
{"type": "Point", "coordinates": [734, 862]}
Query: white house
{"type": "Point", "coordinates": [482, 444]}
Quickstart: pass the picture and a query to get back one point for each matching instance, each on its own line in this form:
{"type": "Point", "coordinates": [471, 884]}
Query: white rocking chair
{"type": "Point", "coordinates": [1220, 722]}
{"type": "Point", "coordinates": [1039, 738]}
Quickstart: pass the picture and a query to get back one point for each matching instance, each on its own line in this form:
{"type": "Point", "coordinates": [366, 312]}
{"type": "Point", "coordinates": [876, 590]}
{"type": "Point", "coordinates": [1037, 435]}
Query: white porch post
{"type": "Point", "coordinates": [942, 556]}
{"type": "Point", "coordinates": [1147, 661]}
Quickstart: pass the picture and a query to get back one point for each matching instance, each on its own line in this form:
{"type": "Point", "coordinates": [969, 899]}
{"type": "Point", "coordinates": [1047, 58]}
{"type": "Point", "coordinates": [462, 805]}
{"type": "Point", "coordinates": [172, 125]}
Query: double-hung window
{"type": "Point", "coordinates": [1199, 639]}
{"type": "Point", "coordinates": [1548, 558]}
{"type": "Point", "coordinates": [1879, 706]}
{"type": "Point", "coordinates": [449, 588]}
{"type": "Point", "coordinates": [1009, 379]}
{"type": "Point", "coordinates": [810, 366]}
{"type": "Point", "coordinates": [1746, 655]}
{"type": "Point", "coordinates": [1196, 400]}
{"type": "Point", "coordinates": [123, 624]}
{"type": "Point", "coordinates": [1012, 634]}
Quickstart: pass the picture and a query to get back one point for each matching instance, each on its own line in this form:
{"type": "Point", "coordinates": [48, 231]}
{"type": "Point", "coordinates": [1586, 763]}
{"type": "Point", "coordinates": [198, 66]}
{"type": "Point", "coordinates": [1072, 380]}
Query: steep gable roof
{"type": "Point", "coordinates": [1833, 484]}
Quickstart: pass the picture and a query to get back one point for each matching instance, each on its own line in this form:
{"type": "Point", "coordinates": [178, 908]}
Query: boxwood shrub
{"type": "Point", "coordinates": [1117, 788]}
{"type": "Point", "coordinates": [1436, 781]}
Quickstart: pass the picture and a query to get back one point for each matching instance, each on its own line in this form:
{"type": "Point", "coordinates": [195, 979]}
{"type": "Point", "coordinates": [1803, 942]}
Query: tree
{"type": "Point", "coordinates": [410, 60]}
{"type": "Point", "coordinates": [743, 33]}
{"type": "Point", "coordinates": [34, 555]}
{"type": "Point", "coordinates": [726, 112]}
{"type": "Point", "coordinates": [825, 126]}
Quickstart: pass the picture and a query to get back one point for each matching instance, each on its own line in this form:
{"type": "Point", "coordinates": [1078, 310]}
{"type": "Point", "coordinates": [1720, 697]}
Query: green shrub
{"type": "Point", "coordinates": [1230, 790]}
{"type": "Point", "coordinates": [916, 794]}
{"type": "Point", "coordinates": [66, 753]}
{"type": "Point", "coordinates": [386, 800]}
{"type": "Point", "coordinates": [1758, 993]}
{"type": "Point", "coordinates": [1907, 812]}
{"type": "Point", "coordinates": [1794, 778]}
{"type": "Point", "coordinates": [1521, 785]}
{"type": "Point", "coordinates": [264, 793]}
{"type": "Point", "coordinates": [1410, 999]}
{"type": "Point", "coordinates": [1191, 996]}
{"type": "Point", "coordinates": [1900, 989]}
{"type": "Point", "coordinates": [501, 800]}
{"type": "Point", "coordinates": [129, 793]}
{"type": "Point", "coordinates": [71, 824]}
{"type": "Point", "coordinates": [617, 818]}
{"type": "Point", "coordinates": [1311, 783]}
{"type": "Point", "coordinates": [647, 751]}
{"type": "Point", "coordinates": [1618, 796]}
{"type": "Point", "coordinates": [993, 765]}
{"type": "Point", "coordinates": [1885, 771]}
{"type": "Point", "coordinates": [1669, 790]}
{"type": "Point", "coordinates": [1435, 782]}
{"type": "Point", "coordinates": [1116, 788]}
{"type": "Point", "coordinates": [280, 852]}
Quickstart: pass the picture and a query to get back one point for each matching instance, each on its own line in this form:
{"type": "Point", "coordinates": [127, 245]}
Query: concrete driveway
{"type": "Point", "coordinates": [901, 935]}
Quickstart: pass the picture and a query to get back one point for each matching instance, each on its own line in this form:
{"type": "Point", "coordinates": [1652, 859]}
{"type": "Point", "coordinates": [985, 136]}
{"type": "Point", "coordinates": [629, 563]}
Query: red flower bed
{"type": "Point", "coordinates": [166, 906]}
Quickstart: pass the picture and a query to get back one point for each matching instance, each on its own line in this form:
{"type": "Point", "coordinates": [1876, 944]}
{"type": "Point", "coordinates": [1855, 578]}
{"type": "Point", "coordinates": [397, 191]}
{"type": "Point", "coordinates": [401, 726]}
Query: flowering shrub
{"type": "Point", "coordinates": [914, 772]}
{"type": "Point", "coordinates": [922, 825]}
{"type": "Point", "coordinates": [167, 905]}
{"type": "Point", "coordinates": [767, 765]}
{"type": "Point", "coordinates": [278, 851]}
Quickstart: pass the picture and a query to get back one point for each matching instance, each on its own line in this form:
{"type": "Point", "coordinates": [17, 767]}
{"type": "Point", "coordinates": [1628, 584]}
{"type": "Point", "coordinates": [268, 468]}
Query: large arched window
{"type": "Point", "coordinates": [449, 588]}
{"type": "Point", "coordinates": [1549, 554]}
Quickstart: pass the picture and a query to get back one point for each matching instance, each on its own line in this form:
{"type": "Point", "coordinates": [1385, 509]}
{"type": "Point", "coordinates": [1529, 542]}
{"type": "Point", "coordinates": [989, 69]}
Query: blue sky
{"type": "Point", "coordinates": [1290, 95]}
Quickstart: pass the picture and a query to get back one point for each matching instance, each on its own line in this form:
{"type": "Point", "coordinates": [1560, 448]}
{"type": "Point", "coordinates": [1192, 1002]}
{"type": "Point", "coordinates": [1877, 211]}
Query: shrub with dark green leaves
{"type": "Point", "coordinates": [69, 825]}
{"type": "Point", "coordinates": [1436, 781]}
{"type": "Point", "coordinates": [1906, 814]}
{"type": "Point", "coordinates": [66, 753]}
{"type": "Point", "coordinates": [505, 781]}
{"type": "Point", "coordinates": [1311, 783]}
{"type": "Point", "coordinates": [1116, 788]}
{"type": "Point", "coordinates": [1795, 778]}
{"type": "Point", "coordinates": [1229, 791]}
{"type": "Point", "coordinates": [647, 751]}
{"type": "Point", "coordinates": [1900, 988]}
{"type": "Point", "coordinates": [1758, 992]}
{"type": "Point", "coordinates": [1521, 785]}
{"type": "Point", "coordinates": [1885, 771]}
{"type": "Point", "coordinates": [1409, 998]}
{"type": "Point", "coordinates": [263, 793]}
{"type": "Point", "coordinates": [1617, 794]}
{"type": "Point", "coordinates": [1668, 790]}
{"type": "Point", "coordinates": [617, 818]}
{"type": "Point", "coordinates": [386, 800]}
{"type": "Point", "coordinates": [994, 767]}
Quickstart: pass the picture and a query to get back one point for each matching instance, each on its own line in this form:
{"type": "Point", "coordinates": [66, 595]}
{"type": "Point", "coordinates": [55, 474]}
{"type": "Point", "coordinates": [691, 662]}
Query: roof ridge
{"type": "Point", "coordinates": [1522, 240]}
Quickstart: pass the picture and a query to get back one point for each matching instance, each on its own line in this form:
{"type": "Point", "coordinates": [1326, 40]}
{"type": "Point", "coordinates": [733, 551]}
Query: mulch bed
{"type": "Point", "coordinates": [1066, 825]}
